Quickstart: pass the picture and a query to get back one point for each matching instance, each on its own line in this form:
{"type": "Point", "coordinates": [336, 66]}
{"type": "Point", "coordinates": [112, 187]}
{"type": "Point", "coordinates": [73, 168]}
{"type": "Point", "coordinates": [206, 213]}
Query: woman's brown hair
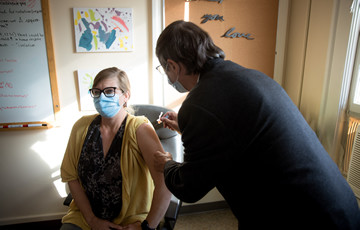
{"type": "Point", "coordinates": [124, 83]}
{"type": "Point", "coordinates": [123, 80]}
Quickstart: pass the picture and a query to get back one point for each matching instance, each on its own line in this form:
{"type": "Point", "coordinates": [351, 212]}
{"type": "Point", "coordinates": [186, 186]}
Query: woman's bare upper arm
{"type": "Point", "coordinates": [149, 143]}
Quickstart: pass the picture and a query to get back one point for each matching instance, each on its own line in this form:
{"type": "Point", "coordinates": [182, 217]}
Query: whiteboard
{"type": "Point", "coordinates": [25, 87]}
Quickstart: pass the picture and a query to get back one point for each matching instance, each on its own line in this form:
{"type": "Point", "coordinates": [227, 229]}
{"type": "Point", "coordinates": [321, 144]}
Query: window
{"type": "Point", "coordinates": [354, 102]}
{"type": "Point", "coordinates": [349, 101]}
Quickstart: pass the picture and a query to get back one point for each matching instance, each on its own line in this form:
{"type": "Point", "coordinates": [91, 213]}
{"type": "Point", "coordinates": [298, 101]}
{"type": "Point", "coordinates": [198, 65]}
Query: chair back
{"type": "Point", "coordinates": [170, 140]}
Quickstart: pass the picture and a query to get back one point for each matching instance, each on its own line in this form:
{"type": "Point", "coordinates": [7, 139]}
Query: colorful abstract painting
{"type": "Point", "coordinates": [103, 29]}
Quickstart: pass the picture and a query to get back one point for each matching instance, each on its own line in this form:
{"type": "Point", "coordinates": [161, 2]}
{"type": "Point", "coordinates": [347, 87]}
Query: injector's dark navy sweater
{"type": "Point", "coordinates": [243, 135]}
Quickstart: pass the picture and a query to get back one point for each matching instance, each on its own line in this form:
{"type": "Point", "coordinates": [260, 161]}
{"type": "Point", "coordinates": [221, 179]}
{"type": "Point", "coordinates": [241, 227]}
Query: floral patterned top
{"type": "Point", "coordinates": [101, 176]}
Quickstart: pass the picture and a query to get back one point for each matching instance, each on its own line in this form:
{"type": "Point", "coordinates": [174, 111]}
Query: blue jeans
{"type": "Point", "coordinates": [68, 226]}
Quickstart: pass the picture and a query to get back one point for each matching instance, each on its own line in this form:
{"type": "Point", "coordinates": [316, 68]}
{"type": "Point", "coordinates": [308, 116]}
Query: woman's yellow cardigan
{"type": "Point", "coordinates": [137, 185]}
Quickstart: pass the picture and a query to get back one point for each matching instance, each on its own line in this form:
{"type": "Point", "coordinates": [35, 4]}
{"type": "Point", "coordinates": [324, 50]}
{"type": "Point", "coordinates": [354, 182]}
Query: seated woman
{"type": "Point", "coordinates": [108, 164]}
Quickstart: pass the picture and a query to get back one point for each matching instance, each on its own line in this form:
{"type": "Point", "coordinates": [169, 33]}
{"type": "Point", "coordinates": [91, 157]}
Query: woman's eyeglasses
{"type": "Point", "coordinates": [108, 92]}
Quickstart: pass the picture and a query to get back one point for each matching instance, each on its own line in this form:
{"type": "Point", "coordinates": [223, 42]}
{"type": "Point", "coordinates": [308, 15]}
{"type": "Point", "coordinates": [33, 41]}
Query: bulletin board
{"type": "Point", "coordinates": [244, 29]}
{"type": "Point", "coordinates": [28, 85]}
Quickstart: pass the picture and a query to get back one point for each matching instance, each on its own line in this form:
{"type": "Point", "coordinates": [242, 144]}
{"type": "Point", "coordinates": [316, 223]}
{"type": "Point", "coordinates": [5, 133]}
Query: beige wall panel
{"type": "Point", "coordinates": [316, 59]}
{"type": "Point", "coordinates": [296, 47]}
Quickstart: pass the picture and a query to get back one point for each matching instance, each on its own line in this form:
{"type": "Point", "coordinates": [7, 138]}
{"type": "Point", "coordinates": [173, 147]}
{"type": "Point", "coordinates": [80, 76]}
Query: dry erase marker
{"type": "Point", "coordinates": [15, 126]}
{"type": "Point", "coordinates": [36, 125]}
{"type": "Point", "coordinates": [21, 126]}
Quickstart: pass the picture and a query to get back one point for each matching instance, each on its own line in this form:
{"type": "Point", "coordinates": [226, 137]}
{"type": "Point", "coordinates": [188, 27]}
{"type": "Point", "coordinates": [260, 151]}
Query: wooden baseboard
{"type": "Point", "coordinates": [31, 218]}
{"type": "Point", "coordinates": [56, 224]}
{"type": "Point", "coordinates": [41, 225]}
{"type": "Point", "coordinates": [188, 209]}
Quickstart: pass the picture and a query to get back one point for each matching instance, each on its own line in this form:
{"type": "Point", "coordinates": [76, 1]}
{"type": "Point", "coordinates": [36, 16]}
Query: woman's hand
{"type": "Point", "coordinates": [100, 224]}
{"type": "Point", "coordinates": [170, 121]}
{"type": "Point", "coordinates": [83, 203]}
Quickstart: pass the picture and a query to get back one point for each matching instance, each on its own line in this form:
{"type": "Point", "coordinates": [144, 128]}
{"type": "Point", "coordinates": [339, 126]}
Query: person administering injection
{"type": "Point", "coordinates": [243, 135]}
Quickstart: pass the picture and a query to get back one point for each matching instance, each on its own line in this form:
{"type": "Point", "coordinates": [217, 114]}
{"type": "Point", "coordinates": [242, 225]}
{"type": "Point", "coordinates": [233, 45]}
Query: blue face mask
{"type": "Point", "coordinates": [178, 86]}
{"type": "Point", "coordinates": [107, 106]}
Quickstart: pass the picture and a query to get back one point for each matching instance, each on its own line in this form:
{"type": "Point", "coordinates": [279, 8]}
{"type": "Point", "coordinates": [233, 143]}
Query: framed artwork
{"type": "Point", "coordinates": [85, 81]}
{"type": "Point", "coordinates": [103, 29]}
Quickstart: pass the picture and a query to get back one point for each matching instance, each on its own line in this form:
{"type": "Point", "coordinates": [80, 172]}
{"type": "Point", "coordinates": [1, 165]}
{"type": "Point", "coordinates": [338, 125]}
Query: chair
{"type": "Point", "coordinates": [171, 142]}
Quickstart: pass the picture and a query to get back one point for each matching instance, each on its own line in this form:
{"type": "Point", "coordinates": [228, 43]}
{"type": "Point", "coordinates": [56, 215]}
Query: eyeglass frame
{"type": "Point", "coordinates": [103, 91]}
{"type": "Point", "coordinates": [161, 69]}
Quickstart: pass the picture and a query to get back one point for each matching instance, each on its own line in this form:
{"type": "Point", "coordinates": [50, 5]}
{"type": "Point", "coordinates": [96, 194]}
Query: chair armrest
{"type": "Point", "coordinates": [171, 214]}
{"type": "Point", "coordinates": [173, 210]}
{"type": "Point", "coordinates": [68, 200]}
